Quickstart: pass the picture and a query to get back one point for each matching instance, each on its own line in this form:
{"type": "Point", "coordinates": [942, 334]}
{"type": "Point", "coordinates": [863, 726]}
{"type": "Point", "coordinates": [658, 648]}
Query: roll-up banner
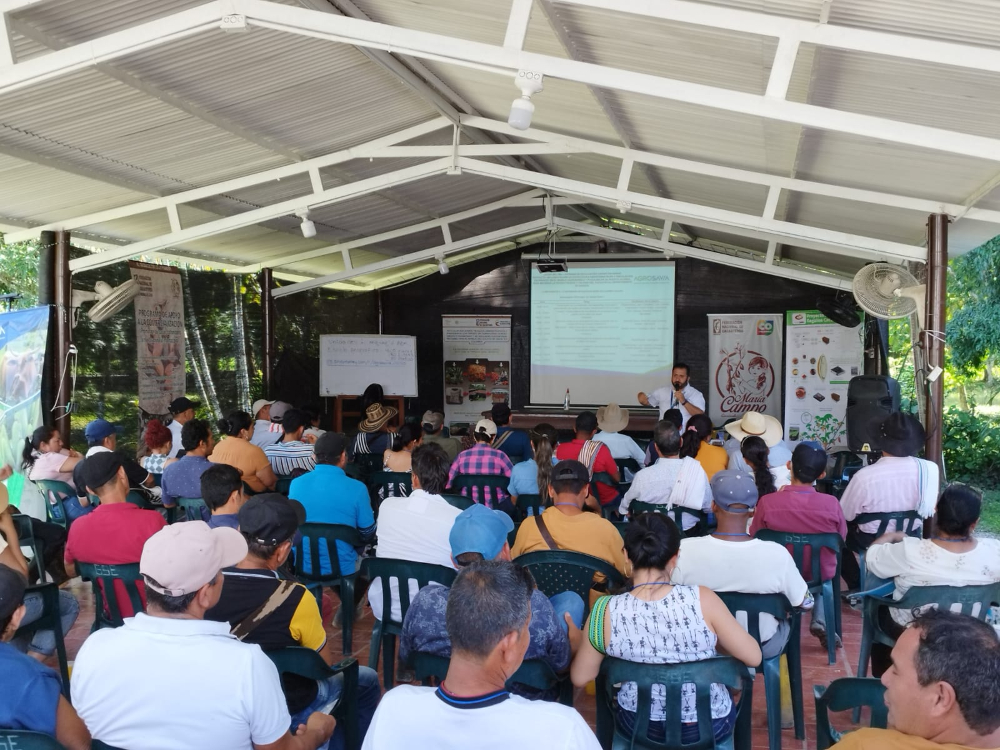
{"type": "Point", "coordinates": [744, 356]}
{"type": "Point", "coordinates": [477, 368]}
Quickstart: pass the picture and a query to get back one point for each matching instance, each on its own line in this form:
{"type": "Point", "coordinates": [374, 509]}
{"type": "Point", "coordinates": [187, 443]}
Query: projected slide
{"type": "Point", "coordinates": [603, 330]}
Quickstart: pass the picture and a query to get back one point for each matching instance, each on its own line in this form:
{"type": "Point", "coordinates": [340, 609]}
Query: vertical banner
{"type": "Point", "coordinates": [744, 357]}
{"type": "Point", "coordinates": [159, 331]}
{"type": "Point", "coordinates": [821, 359]}
{"type": "Point", "coordinates": [22, 352]}
{"type": "Point", "coordinates": [476, 366]}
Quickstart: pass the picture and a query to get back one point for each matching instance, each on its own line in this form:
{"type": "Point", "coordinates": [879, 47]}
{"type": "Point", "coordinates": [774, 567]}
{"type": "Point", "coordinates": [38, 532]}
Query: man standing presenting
{"type": "Point", "coordinates": [683, 396]}
{"type": "Point", "coordinates": [182, 411]}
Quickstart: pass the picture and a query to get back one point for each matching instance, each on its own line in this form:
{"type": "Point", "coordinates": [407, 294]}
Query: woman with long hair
{"type": "Point", "coordinates": [237, 451]}
{"type": "Point", "coordinates": [678, 623]}
{"type": "Point", "coordinates": [159, 441]}
{"type": "Point", "coordinates": [695, 444]}
{"type": "Point", "coordinates": [404, 440]}
{"type": "Point", "coordinates": [532, 477]}
{"type": "Point", "coordinates": [44, 457]}
{"type": "Point", "coordinates": [756, 453]}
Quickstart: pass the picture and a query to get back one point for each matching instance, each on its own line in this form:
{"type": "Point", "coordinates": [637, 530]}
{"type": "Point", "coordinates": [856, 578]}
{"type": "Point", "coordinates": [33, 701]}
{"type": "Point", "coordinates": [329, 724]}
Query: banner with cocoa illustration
{"type": "Point", "coordinates": [744, 357]}
{"type": "Point", "coordinates": [159, 330]}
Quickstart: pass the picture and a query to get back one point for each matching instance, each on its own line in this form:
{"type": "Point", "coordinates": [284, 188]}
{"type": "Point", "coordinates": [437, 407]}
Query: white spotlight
{"type": "Point", "coordinates": [443, 266]}
{"type": "Point", "coordinates": [522, 109]}
{"type": "Point", "coordinates": [307, 226]}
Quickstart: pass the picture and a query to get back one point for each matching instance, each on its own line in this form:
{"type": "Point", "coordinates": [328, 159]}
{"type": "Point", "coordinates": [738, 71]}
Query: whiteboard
{"type": "Point", "coordinates": [350, 363]}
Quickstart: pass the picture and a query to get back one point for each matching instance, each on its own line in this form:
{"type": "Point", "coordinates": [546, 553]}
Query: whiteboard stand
{"type": "Point", "coordinates": [347, 409]}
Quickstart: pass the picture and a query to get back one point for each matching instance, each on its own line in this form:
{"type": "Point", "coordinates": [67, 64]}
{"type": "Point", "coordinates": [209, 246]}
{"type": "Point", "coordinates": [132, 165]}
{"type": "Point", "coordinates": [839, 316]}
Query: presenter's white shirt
{"type": "Point", "coordinates": [417, 717]}
{"type": "Point", "coordinates": [124, 678]}
{"type": "Point", "coordinates": [753, 567]}
{"type": "Point", "coordinates": [663, 399]}
{"type": "Point", "coordinates": [175, 428]}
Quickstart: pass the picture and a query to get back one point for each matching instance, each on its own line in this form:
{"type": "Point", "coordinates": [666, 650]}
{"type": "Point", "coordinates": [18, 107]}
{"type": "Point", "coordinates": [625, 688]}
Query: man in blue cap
{"type": "Point", "coordinates": [480, 533]}
{"type": "Point", "coordinates": [102, 437]}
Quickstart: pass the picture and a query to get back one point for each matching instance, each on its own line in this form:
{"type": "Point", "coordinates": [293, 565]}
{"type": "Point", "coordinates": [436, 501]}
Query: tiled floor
{"type": "Point", "coordinates": [815, 670]}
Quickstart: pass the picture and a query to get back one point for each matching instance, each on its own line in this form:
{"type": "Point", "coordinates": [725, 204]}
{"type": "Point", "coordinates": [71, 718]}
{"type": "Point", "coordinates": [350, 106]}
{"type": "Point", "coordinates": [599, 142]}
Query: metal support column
{"type": "Point", "coordinates": [267, 328]}
{"type": "Point", "coordinates": [64, 333]}
{"type": "Point", "coordinates": [47, 296]}
{"type": "Point", "coordinates": [937, 280]}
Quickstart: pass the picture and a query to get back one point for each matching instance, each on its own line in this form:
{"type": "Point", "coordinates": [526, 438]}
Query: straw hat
{"type": "Point", "coordinates": [376, 416]}
{"type": "Point", "coordinates": [761, 425]}
{"type": "Point", "coordinates": [612, 418]}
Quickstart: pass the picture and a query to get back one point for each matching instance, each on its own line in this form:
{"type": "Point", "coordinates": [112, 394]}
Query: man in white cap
{"type": "Point", "coordinates": [230, 690]}
{"type": "Point", "coordinates": [262, 435]}
{"type": "Point", "coordinates": [771, 432]}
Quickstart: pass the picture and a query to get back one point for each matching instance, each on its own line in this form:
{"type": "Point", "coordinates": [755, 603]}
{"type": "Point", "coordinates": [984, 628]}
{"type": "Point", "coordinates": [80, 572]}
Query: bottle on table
{"type": "Point", "coordinates": [566, 401]}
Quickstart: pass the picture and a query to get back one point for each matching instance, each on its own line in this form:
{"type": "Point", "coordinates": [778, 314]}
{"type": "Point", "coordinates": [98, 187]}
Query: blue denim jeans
{"type": "Point", "coordinates": [722, 727]}
{"type": "Point", "coordinates": [568, 601]}
{"type": "Point", "coordinates": [44, 641]}
{"type": "Point", "coordinates": [369, 694]}
{"type": "Point", "coordinates": [74, 510]}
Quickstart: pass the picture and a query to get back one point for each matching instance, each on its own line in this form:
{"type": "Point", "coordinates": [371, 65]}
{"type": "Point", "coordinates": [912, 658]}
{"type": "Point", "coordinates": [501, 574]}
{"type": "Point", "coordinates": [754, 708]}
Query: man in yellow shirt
{"type": "Point", "coordinates": [943, 689]}
{"type": "Point", "coordinates": [566, 526]}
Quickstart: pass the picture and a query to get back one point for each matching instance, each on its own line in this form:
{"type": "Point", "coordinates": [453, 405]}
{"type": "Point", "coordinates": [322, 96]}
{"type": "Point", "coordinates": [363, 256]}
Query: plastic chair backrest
{"type": "Point", "coordinates": [403, 571]}
{"type": "Point", "coordinates": [429, 666]}
{"type": "Point", "coordinates": [50, 620]}
{"type": "Point", "coordinates": [192, 507]}
{"type": "Point", "coordinates": [530, 505]}
{"type": "Point", "coordinates": [599, 478]}
{"type": "Point", "coordinates": [799, 543]}
{"type": "Point", "coordinates": [18, 739]}
{"type": "Point", "coordinates": [974, 601]}
{"type": "Point", "coordinates": [754, 605]}
{"type": "Point", "coordinates": [702, 674]}
{"type": "Point", "coordinates": [368, 464]}
{"type": "Point", "coordinates": [136, 498]}
{"type": "Point", "coordinates": [677, 513]}
{"type": "Point", "coordinates": [556, 571]}
{"type": "Point", "coordinates": [844, 694]}
{"type": "Point", "coordinates": [478, 483]}
{"type": "Point", "coordinates": [459, 501]}
{"type": "Point", "coordinates": [26, 536]}
{"type": "Point", "coordinates": [535, 673]}
{"type": "Point", "coordinates": [627, 463]}
{"type": "Point", "coordinates": [102, 579]}
{"type": "Point", "coordinates": [98, 745]}
{"type": "Point", "coordinates": [312, 534]}
{"type": "Point", "coordinates": [905, 521]}
{"type": "Point", "coordinates": [390, 483]}
{"type": "Point", "coordinates": [283, 484]}
{"type": "Point", "coordinates": [54, 493]}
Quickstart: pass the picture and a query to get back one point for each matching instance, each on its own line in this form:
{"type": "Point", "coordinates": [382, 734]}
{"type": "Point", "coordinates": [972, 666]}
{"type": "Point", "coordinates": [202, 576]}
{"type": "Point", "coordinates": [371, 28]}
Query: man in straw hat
{"type": "Point", "coordinates": [611, 420]}
{"type": "Point", "coordinates": [374, 432]}
{"type": "Point", "coordinates": [770, 430]}
{"type": "Point", "coordinates": [232, 693]}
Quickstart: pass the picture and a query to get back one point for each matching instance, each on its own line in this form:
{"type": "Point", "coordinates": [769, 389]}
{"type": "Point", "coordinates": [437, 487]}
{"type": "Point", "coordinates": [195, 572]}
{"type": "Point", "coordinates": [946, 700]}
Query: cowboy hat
{"type": "Point", "coordinates": [899, 434]}
{"type": "Point", "coordinates": [376, 416]}
{"type": "Point", "coordinates": [612, 418]}
{"type": "Point", "coordinates": [760, 425]}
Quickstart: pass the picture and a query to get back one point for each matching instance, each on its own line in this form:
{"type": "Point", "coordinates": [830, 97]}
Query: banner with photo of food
{"type": "Point", "coordinates": [22, 353]}
{"type": "Point", "coordinates": [159, 330]}
{"type": "Point", "coordinates": [476, 367]}
{"type": "Point", "coordinates": [744, 358]}
{"type": "Point", "coordinates": [820, 359]}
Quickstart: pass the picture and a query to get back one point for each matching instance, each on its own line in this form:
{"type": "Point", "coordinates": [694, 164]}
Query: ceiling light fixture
{"type": "Point", "coordinates": [523, 108]}
{"type": "Point", "coordinates": [307, 226]}
{"type": "Point", "coordinates": [443, 268]}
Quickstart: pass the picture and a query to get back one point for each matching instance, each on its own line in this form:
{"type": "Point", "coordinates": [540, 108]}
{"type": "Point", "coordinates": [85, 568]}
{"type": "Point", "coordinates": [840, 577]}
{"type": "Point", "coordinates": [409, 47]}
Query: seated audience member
{"type": "Point", "coordinates": [51, 536]}
{"type": "Point", "coordinates": [222, 491]}
{"type": "Point", "coordinates": [44, 457]}
{"type": "Point", "coordinates": [183, 479]}
{"type": "Point", "coordinates": [942, 689]}
{"type": "Point", "coordinates": [278, 411]}
{"type": "Point", "coordinates": [330, 496]}
{"type": "Point", "coordinates": [158, 439]}
{"type": "Point", "coordinates": [236, 450]}
{"type": "Point", "coordinates": [768, 429]}
{"type": "Point", "coordinates": [754, 451]}
{"type": "Point", "coordinates": [481, 534]}
{"type": "Point", "coordinates": [433, 426]}
{"type": "Point", "coordinates": [416, 527]}
{"type": "Point", "coordinates": [611, 420]}
{"type": "Point", "coordinates": [483, 458]}
{"type": "Point", "coordinates": [182, 411]}
{"type": "Point", "coordinates": [674, 417]}
{"type": "Point", "coordinates": [374, 432]}
{"type": "Point", "coordinates": [799, 508]}
{"type": "Point", "coordinates": [566, 526]}
{"type": "Point", "coordinates": [672, 480]}
{"type": "Point", "coordinates": [488, 618]}
{"type": "Point", "coordinates": [896, 482]}
{"type": "Point", "coordinates": [312, 429]}
{"type": "Point", "coordinates": [42, 643]}
{"type": "Point", "coordinates": [595, 456]}
{"type": "Point", "coordinates": [291, 453]}
{"type": "Point", "coordinates": [31, 700]}
{"type": "Point", "coordinates": [679, 624]}
{"type": "Point", "coordinates": [262, 436]}
{"type": "Point", "coordinates": [513, 442]}
{"type": "Point", "coordinates": [951, 557]}
{"type": "Point", "coordinates": [531, 477]}
{"type": "Point", "coordinates": [103, 438]}
{"type": "Point", "coordinates": [695, 444]}
{"type": "Point", "coordinates": [268, 522]}
{"type": "Point", "coordinates": [231, 692]}
{"type": "Point", "coordinates": [116, 531]}
{"type": "Point", "coordinates": [731, 560]}
{"type": "Point", "coordinates": [404, 442]}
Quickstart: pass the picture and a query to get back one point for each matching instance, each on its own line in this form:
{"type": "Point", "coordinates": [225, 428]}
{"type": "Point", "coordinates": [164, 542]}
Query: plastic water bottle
{"type": "Point", "coordinates": [566, 401]}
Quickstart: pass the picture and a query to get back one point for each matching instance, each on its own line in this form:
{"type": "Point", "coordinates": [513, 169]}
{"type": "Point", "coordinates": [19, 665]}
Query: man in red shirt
{"type": "Point", "coordinates": [592, 454]}
{"type": "Point", "coordinates": [115, 532]}
{"type": "Point", "coordinates": [799, 508]}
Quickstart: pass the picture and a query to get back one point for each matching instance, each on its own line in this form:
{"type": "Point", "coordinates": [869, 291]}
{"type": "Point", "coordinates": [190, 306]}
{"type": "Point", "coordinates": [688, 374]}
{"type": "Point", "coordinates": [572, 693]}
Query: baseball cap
{"type": "Point", "coordinates": [479, 529]}
{"type": "Point", "coordinates": [278, 409]}
{"type": "Point", "coordinates": [97, 430]}
{"type": "Point", "coordinates": [271, 518]}
{"type": "Point", "coordinates": [808, 461]}
{"type": "Point", "coordinates": [181, 558]}
{"type": "Point", "coordinates": [432, 419]}
{"type": "Point", "coordinates": [500, 412]}
{"type": "Point", "coordinates": [182, 404]}
{"type": "Point", "coordinates": [486, 425]}
{"type": "Point", "coordinates": [100, 468]}
{"type": "Point", "coordinates": [731, 488]}
{"type": "Point", "coordinates": [258, 405]}
{"type": "Point", "coordinates": [12, 587]}
{"type": "Point", "coordinates": [570, 470]}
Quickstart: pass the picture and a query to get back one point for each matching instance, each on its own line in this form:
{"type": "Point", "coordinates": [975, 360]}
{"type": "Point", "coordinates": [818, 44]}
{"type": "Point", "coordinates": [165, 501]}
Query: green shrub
{"type": "Point", "coordinates": [971, 447]}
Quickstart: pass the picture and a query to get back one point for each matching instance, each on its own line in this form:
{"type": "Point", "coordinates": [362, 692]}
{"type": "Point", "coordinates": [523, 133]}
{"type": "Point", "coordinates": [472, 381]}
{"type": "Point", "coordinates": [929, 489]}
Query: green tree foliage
{"type": "Point", "coordinates": [19, 272]}
{"type": "Point", "coordinates": [974, 309]}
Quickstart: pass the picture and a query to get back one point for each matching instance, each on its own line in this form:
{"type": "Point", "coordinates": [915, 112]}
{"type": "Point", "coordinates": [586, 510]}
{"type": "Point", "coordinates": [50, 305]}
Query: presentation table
{"type": "Point", "coordinates": [640, 419]}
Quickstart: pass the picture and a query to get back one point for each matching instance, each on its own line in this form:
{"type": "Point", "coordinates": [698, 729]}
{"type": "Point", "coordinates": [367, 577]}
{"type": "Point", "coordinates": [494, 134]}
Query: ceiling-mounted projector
{"type": "Point", "coordinates": [552, 266]}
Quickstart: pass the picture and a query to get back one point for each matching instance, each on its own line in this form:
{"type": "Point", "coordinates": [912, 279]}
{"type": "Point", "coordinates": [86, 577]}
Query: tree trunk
{"type": "Point", "coordinates": [963, 399]}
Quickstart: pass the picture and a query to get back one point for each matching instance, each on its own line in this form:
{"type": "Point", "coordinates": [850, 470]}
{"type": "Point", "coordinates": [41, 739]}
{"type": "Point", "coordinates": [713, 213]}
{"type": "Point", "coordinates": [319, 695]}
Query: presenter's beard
{"type": "Point", "coordinates": [677, 385]}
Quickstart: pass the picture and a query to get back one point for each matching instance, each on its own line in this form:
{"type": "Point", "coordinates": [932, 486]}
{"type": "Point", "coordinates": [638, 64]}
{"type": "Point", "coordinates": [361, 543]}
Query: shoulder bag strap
{"type": "Point", "coordinates": [588, 455]}
{"type": "Point", "coordinates": [501, 440]}
{"type": "Point", "coordinates": [544, 531]}
{"type": "Point", "coordinates": [248, 624]}
{"type": "Point", "coordinates": [595, 631]}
